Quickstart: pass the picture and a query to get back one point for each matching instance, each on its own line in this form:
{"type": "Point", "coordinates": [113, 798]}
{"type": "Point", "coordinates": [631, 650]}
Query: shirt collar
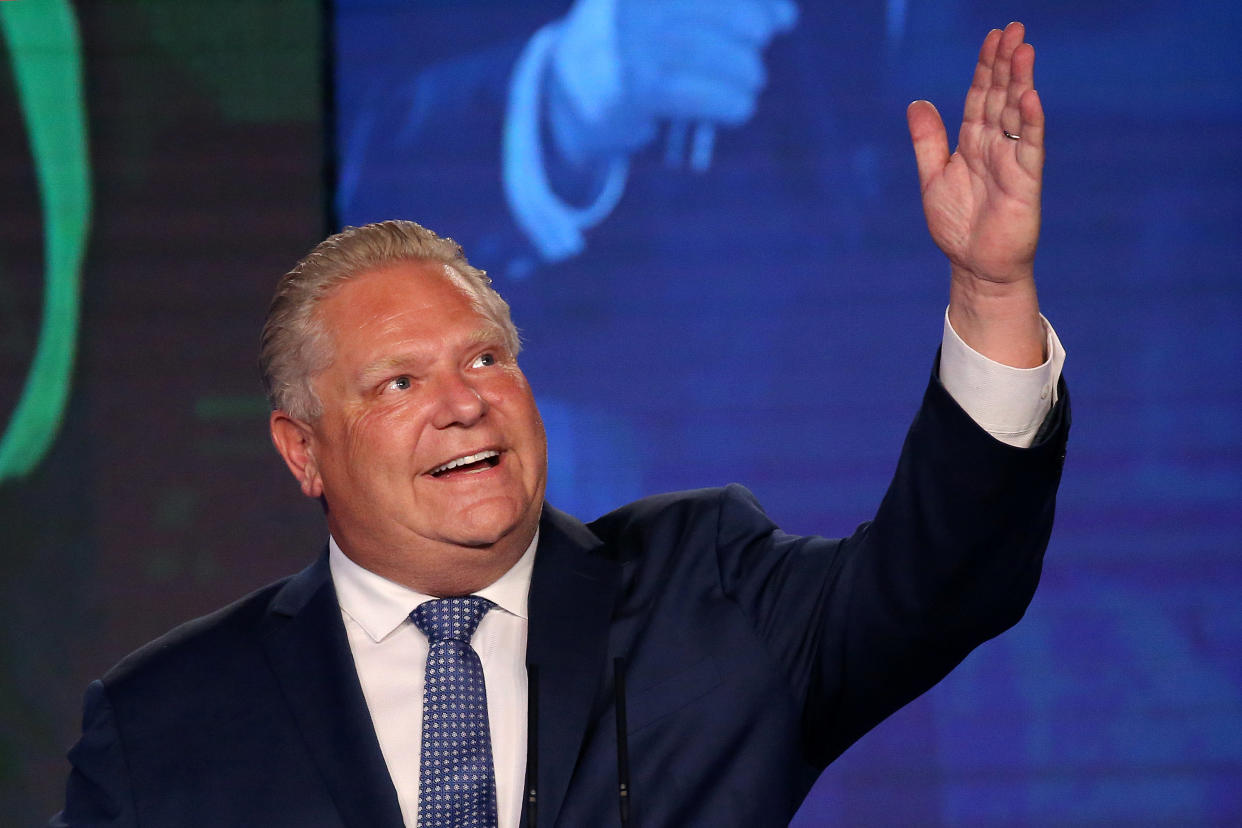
{"type": "Point", "coordinates": [380, 606]}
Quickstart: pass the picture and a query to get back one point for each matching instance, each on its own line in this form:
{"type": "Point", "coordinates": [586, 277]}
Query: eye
{"type": "Point", "coordinates": [484, 360]}
{"type": "Point", "coordinates": [402, 383]}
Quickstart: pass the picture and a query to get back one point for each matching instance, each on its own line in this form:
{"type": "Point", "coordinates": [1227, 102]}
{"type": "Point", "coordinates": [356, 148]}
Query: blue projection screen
{"type": "Point", "coordinates": [751, 295]}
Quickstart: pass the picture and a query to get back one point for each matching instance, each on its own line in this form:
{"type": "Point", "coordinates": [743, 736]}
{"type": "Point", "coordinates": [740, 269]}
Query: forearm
{"type": "Point", "coordinates": [951, 560]}
{"type": "Point", "coordinates": [1000, 320]}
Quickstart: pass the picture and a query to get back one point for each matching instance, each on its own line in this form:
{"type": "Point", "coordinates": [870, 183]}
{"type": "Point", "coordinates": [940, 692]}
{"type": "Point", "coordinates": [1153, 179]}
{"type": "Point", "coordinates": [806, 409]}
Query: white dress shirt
{"type": "Point", "coordinates": [390, 653]}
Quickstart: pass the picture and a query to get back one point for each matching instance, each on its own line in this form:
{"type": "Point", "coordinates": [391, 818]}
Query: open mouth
{"type": "Point", "coordinates": [470, 464]}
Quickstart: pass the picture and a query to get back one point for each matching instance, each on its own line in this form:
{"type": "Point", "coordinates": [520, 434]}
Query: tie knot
{"type": "Point", "coordinates": [455, 618]}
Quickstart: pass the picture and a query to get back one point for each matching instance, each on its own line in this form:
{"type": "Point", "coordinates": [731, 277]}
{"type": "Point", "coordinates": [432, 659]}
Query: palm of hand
{"type": "Point", "coordinates": [983, 202]}
{"type": "Point", "coordinates": [983, 208]}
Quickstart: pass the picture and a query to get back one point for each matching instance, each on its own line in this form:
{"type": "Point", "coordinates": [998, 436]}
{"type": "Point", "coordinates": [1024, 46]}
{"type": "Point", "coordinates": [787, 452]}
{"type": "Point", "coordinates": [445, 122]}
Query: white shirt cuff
{"type": "Point", "coordinates": [553, 226]}
{"type": "Point", "coordinates": [1009, 403]}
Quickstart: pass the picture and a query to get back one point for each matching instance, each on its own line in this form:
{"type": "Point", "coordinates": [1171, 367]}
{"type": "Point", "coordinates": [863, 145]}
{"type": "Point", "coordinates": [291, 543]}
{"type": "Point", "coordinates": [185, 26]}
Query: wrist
{"type": "Point", "coordinates": [1015, 282]}
{"type": "Point", "coordinates": [998, 319]}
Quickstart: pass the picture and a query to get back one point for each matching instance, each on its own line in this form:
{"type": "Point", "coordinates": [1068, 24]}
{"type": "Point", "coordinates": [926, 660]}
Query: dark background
{"type": "Point", "coordinates": [161, 497]}
{"type": "Point", "coordinates": [770, 321]}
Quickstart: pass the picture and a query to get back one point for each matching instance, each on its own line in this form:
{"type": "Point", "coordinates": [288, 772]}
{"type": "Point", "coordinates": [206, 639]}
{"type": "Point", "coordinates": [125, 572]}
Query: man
{"type": "Point", "coordinates": [466, 654]}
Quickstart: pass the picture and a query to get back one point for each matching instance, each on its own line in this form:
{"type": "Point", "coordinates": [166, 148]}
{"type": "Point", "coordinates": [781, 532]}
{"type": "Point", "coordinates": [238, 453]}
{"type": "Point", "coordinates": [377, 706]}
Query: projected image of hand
{"type": "Point", "coordinates": [623, 68]}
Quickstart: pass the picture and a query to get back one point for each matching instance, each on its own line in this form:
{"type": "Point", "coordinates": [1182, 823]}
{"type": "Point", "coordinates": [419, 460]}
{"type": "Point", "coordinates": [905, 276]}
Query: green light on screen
{"type": "Point", "coordinates": [46, 49]}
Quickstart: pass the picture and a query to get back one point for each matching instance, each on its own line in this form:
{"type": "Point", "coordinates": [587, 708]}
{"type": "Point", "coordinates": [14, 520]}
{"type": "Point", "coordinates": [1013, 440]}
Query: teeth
{"type": "Point", "coordinates": [465, 461]}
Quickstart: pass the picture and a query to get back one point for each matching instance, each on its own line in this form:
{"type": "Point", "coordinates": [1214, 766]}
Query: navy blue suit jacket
{"type": "Point", "coordinates": [753, 657]}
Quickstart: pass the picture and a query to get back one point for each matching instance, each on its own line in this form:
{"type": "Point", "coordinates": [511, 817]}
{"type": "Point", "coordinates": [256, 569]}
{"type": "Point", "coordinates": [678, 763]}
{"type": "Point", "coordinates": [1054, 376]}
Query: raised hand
{"type": "Point", "coordinates": [982, 202]}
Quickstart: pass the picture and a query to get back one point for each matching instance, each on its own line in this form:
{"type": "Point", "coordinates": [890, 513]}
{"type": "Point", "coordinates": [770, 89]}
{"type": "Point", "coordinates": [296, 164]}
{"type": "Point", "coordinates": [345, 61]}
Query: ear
{"type": "Point", "coordinates": [294, 440]}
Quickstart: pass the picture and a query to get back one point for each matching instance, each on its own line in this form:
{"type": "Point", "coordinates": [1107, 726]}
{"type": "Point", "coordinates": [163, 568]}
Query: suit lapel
{"type": "Point", "coordinates": [571, 600]}
{"type": "Point", "coordinates": [305, 642]}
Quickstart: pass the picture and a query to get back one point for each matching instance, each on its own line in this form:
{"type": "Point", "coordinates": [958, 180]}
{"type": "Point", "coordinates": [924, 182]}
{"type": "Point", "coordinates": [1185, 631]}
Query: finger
{"type": "Point", "coordinates": [931, 143]}
{"type": "Point", "coordinates": [998, 93]}
{"type": "Point", "coordinates": [710, 54]}
{"type": "Point", "coordinates": [982, 81]}
{"type": "Point", "coordinates": [1031, 144]}
{"type": "Point", "coordinates": [696, 97]}
{"type": "Point", "coordinates": [1021, 79]}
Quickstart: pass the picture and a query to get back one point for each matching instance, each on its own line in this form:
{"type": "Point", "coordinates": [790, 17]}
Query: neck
{"type": "Point", "coordinates": [438, 569]}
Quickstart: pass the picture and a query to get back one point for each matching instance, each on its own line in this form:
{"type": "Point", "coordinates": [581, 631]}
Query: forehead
{"type": "Point", "coordinates": [411, 307]}
{"type": "Point", "coordinates": [417, 293]}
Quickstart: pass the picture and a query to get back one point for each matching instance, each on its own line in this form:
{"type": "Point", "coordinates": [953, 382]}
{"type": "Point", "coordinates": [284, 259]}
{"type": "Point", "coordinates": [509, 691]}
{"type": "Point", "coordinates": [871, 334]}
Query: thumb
{"type": "Point", "coordinates": [931, 142]}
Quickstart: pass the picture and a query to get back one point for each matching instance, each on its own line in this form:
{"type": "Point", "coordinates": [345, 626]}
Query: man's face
{"type": "Point", "coordinates": [430, 452]}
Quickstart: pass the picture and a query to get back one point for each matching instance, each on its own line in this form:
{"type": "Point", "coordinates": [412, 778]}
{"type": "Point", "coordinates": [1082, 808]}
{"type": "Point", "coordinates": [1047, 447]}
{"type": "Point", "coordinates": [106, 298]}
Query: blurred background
{"type": "Point", "coordinates": [705, 215]}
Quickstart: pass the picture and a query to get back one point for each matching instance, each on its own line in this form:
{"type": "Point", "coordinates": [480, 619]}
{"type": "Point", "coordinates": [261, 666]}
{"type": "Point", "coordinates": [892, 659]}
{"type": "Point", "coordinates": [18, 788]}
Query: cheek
{"type": "Point", "coordinates": [511, 390]}
{"type": "Point", "coordinates": [371, 435]}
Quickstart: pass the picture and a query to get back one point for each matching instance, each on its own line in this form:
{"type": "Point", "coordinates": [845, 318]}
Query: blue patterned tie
{"type": "Point", "coordinates": [456, 785]}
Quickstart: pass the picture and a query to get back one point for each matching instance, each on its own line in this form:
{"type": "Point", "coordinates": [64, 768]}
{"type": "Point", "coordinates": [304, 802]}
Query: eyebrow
{"type": "Point", "coordinates": [380, 367]}
{"type": "Point", "coordinates": [417, 357]}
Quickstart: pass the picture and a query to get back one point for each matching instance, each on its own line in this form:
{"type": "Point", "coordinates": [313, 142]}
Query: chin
{"type": "Point", "coordinates": [489, 524]}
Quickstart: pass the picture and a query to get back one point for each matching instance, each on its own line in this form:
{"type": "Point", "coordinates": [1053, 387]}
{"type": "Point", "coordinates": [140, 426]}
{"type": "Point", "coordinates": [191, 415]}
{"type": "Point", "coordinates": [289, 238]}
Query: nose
{"type": "Point", "coordinates": [459, 403]}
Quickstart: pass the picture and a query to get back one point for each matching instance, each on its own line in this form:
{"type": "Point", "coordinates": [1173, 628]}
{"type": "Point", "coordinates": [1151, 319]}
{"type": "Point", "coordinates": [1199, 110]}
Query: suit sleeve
{"type": "Point", "coordinates": [98, 792]}
{"type": "Point", "coordinates": [865, 624]}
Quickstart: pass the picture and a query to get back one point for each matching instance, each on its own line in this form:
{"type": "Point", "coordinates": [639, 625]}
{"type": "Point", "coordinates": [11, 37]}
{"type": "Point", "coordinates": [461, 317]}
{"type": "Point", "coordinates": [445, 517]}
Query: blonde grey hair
{"type": "Point", "coordinates": [295, 346]}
